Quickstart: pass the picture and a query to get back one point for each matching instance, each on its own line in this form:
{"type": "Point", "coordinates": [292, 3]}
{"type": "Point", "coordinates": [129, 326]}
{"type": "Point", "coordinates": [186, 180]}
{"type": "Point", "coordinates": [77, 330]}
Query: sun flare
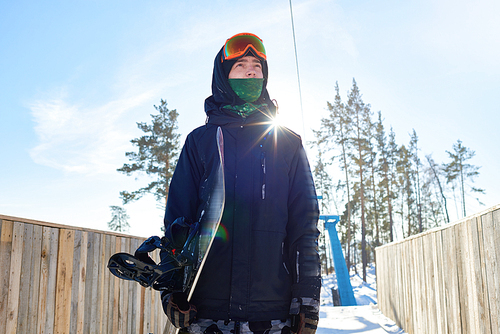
{"type": "Point", "coordinates": [276, 121]}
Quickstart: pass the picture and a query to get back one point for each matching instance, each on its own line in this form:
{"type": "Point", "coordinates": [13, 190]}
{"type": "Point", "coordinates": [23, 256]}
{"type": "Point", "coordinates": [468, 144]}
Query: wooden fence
{"type": "Point", "coordinates": [54, 279]}
{"type": "Point", "coordinates": [445, 280]}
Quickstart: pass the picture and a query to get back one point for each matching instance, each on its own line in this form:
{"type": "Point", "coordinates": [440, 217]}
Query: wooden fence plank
{"type": "Point", "coordinates": [491, 270]}
{"type": "Point", "coordinates": [96, 293]}
{"type": "Point", "coordinates": [6, 235]}
{"type": "Point", "coordinates": [64, 280]}
{"type": "Point", "coordinates": [105, 282]}
{"type": "Point", "coordinates": [495, 290]}
{"type": "Point", "coordinates": [474, 316]}
{"type": "Point", "coordinates": [465, 278]}
{"type": "Point", "coordinates": [82, 285]}
{"type": "Point", "coordinates": [154, 318]}
{"type": "Point", "coordinates": [114, 294]}
{"type": "Point", "coordinates": [483, 323]}
{"type": "Point", "coordinates": [122, 316]}
{"type": "Point", "coordinates": [134, 297]}
{"type": "Point", "coordinates": [106, 277]}
{"type": "Point", "coordinates": [127, 285]}
{"type": "Point", "coordinates": [409, 293]}
{"type": "Point", "coordinates": [147, 311]}
{"type": "Point", "coordinates": [397, 304]}
{"type": "Point", "coordinates": [424, 304]}
{"type": "Point", "coordinates": [79, 282]}
{"type": "Point", "coordinates": [44, 278]}
{"type": "Point", "coordinates": [142, 311]}
{"type": "Point", "coordinates": [100, 279]}
{"type": "Point", "coordinates": [413, 287]}
{"type": "Point", "coordinates": [34, 289]}
{"type": "Point", "coordinates": [441, 316]}
{"type": "Point", "coordinates": [461, 279]}
{"type": "Point", "coordinates": [451, 281]}
{"type": "Point", "coordinates": [88, 316]}
{"type": "Point", "coordinates": [393, 304]}
{"type": "Point", "coordinates": [26, 272]}
{"type": "Point", "coordinates": [75, 282]}
{"type": "Point", "coordinates": [16, 261]}
{"type": "Point", "coordinates": [429, 301]}
{"type": "Point", "coordinates": [52, 280]}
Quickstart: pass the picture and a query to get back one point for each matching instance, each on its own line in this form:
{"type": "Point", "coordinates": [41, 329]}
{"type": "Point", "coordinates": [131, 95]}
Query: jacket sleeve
{"type": "Point", "coordinates": [302, 231]}
{"type": "Point", "coordinates": [183, 196]}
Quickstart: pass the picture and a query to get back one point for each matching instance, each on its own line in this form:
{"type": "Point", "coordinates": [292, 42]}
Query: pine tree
{"type": "Point", "coordinates": [436, 172]}
{"type": "Point", "coordinates": [405, 188]}
{"type": "Point", "coordinates": [337, 127]}
{"type": "Point", "coordinates": [375, 209]}
{"type": "Point", "coordinates": [385, 170]}
{"type": "Point", "coordinates": [322, 180]}
{"type": "Point", "coordinates": [361, 115]}
{"type": "Point", "coordinates": [156, 154]}
{"type": "Point", "coordinates": [119, 221]}
{"type": "Point", "coordinates": [324, 188]}
{"type": "Point", "coordinates": [458, 170]}
{"type": "Point", "coordinates": [416, 175]}
{"type": "Point", "coordinates": [432, 209]}
{"type": "Point", "coordinates": [392, 158]}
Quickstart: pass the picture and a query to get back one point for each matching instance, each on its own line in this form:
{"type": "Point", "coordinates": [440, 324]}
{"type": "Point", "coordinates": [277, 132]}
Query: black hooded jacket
{"type": "Point", "coordinates": [267, 250]}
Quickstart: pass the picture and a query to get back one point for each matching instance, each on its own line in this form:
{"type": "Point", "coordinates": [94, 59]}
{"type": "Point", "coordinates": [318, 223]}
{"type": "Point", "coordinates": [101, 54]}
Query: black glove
{"type": "Point", "coordinates": [178, 310]}
{"type": "Point", "coordinates": [305, 316]}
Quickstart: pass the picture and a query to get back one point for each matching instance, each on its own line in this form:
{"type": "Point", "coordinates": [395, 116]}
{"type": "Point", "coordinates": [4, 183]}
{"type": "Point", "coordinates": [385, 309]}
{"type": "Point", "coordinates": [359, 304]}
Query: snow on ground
{"type": "Point", "coordinates": [364, 292]}
{"type": "Point", "coordinates": [363, 318]}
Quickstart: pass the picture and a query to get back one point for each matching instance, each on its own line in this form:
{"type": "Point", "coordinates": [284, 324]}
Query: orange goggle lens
{"type": "Point", "coordinates": [239, 45]}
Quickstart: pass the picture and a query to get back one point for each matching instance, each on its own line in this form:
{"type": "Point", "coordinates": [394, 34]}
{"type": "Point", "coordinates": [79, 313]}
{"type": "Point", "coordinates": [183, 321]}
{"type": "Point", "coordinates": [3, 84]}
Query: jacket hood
{"type": "Point", "coordinates": [223, 95]}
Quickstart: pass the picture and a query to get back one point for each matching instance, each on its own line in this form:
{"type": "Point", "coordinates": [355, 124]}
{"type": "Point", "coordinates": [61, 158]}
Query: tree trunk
{"type": "Point", "coordinates": [362, 199]}
{"type": "Point", "coordinates": [462, 187]}
{"type": "Point", "coordinates": [348, 257]}
{"type": "Point", "coordinates": [431, 164]}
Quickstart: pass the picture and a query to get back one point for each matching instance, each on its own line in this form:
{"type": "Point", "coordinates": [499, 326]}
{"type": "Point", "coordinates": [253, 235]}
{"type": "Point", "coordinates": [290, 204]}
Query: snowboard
{"type": "Point", "coordinates": [191, 258]}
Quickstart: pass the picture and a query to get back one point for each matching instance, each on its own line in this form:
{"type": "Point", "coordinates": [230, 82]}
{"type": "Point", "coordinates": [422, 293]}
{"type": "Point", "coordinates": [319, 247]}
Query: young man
{"type": "Point", "coordinates": [263, 276]}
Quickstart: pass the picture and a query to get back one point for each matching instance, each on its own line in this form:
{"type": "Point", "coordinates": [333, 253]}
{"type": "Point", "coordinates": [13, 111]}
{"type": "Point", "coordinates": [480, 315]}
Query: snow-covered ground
{"type": "Point", "coordinates": [364, 318]}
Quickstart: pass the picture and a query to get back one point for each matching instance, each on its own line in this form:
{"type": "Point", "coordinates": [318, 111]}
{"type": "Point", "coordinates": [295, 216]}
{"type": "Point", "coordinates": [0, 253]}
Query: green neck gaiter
{"type": "Point", "coordinates": [246, 109]}
{"type": "Point", "coordinates": [248, 89]}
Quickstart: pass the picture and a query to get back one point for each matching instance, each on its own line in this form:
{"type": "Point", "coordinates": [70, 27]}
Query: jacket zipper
{"type": "Point", "coordinates": [297, 267]}
{"type": "Point", "coordinates": [263, 166]}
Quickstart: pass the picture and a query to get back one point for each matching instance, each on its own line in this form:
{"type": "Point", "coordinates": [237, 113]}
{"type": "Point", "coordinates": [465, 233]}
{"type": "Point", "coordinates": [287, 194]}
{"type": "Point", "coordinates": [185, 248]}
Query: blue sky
{"type": "Point", "coordinates": [76, 76]}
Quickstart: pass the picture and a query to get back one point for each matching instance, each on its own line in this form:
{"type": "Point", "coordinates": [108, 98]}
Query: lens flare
{"type": "Point", "coordinates": [222, 233]}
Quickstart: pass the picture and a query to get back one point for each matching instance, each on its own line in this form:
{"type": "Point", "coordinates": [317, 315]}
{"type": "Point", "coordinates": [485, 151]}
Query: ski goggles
{"type": "Point", "coordinates": [240, 44]}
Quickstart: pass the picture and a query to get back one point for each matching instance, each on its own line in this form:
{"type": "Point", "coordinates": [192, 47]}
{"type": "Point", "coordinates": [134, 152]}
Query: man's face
{"type": "Point", "coordinates": [246, 67]}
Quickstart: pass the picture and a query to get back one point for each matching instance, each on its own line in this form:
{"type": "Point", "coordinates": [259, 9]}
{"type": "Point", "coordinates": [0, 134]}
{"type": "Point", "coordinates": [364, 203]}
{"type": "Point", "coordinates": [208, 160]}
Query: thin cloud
{"type": "Point", "coordinates": [81, 139]}
{"type": "Point", "coordinates": [89, 132]}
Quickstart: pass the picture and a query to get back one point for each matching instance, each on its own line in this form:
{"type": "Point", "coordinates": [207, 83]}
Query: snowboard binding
{"type": "Point", "coordinates": [129, 267]}
{"type": "Point", "coordinates": [178, 256]}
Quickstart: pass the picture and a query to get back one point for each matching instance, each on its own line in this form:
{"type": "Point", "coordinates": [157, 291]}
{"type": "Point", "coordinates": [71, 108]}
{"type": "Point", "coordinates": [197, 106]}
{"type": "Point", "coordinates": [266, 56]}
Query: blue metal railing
{"type": "Point", "coordinates": [343, 280]}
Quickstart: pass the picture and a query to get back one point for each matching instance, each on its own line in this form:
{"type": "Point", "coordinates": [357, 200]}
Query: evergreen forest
{"type": "Point", "coordinates": [386, 190]}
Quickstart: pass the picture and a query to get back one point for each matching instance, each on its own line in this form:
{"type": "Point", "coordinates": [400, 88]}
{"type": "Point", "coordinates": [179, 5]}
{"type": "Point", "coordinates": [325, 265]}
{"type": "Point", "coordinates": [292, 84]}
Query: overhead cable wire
{"type": "Point", "coordinates": [298, 75]}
